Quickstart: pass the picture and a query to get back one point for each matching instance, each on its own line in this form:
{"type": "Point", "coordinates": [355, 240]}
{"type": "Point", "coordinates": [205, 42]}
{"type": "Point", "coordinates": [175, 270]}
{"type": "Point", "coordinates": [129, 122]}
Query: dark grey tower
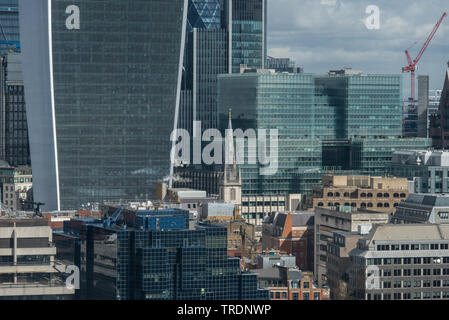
{"type": "Point", "coordinates": [103, 80]}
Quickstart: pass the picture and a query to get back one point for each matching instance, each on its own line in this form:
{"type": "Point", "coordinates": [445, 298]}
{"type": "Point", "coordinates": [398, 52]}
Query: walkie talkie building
{"type": "Point", "coordinates": [102, 81]}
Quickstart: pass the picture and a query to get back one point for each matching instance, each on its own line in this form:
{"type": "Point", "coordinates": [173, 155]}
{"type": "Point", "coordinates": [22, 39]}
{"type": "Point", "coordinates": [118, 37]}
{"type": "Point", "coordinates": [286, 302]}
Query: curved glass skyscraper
{"type": "Point", "coordinates": [102, 85]}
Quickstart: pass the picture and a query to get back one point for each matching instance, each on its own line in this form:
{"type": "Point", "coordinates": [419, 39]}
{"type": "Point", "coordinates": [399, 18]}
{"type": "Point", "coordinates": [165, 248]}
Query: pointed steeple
{"type": "Point", "coordinates": [230, 152]}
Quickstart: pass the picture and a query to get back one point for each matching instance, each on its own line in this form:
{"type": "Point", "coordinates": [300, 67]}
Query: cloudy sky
{"type": "Point", "coordinates": [320, 35]}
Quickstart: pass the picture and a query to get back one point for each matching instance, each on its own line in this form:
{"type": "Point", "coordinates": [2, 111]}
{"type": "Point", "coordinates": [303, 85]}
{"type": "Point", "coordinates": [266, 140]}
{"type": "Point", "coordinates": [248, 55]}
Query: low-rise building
{"type": "Point", "coordinates": [365, 192]}
{"type": "Point", "coordinates": [287, 283]}
{"type": "Point", "coordinates": [291, 233]}
{"type": "Point", "coordinates": [339, 261]}
{"type": "Point", "coordinates": [401, 262]}
{"type": "Point", "coordinates": [28, 269]}
{"type": "Point", "coordinates": [328, 221]}
{"type": "Point", "coordinates": [426, 170]}
{"type": "Point", "coordinates": [423, 208]}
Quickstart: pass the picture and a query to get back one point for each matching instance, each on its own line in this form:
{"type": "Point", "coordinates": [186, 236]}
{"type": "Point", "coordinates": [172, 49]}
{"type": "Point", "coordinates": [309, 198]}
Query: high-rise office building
{"type": "Point", "coordinates": [423, 105]}
{"type": "Point", "coordinates": [239, 38]}
{"type": "Point", "coordinates": [105, 82]}
{"type": "Point", "coordinates": [9, 26]}
{"type": "Point", "coordinates": [158, 256]}
{"type": "Point", "coordinates": [14, 142]}
{"type": "Point", "coordinates": [345, 120]}
{"type": "Point", "coordinates": [246, 22]}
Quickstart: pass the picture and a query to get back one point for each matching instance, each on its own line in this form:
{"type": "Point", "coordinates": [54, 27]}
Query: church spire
{"type": "Point", "coordinates": [230, 152]}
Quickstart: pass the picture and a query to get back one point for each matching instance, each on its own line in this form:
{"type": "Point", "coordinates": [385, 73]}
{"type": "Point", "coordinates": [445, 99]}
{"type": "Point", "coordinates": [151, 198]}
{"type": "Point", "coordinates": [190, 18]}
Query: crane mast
{"type": "Point", "coordinates": [412, 63]}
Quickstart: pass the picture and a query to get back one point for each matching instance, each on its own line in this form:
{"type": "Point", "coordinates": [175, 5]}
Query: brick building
{"type": "Point", "coordinates": [290, 284]}
{"type": "Point", "coordinates": [291, 233]}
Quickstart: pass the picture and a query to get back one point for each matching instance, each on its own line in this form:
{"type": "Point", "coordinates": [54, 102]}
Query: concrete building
{"type": "Point", "coordinates": [28, 269]}
{"type": "Point", "coordinates": [381, 194]}
{"type": "Point", "coordinates": [426, 170]}
{"type": "Point", "coordinates": [287, 283]}
{"type": "Point", "coordinates": [328, 221]}
{"type": "Point", "coordinates": [339, 261]}
{"type": "Point", "coordinates": [271, 258]}
{"type": "Point", "coordinates": [423, 208]}
{"type": "Point", "coordinates": [401, 262]}
{"type": "Point", "coordinates": [290, 233]}
{"type": "Point", "coordinates": [18, 193]}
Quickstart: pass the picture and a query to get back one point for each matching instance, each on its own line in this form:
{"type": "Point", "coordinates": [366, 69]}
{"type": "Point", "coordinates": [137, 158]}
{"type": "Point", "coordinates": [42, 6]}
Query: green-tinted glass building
{"type": "Point", "coordinates": [344, 122]}
{"type": "Point", "coordinates": [105, 91]}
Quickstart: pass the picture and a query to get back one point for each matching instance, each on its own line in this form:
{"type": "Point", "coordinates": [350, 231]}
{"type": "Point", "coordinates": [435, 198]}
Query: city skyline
{"type": "Point", "coordinates": [322, 35]}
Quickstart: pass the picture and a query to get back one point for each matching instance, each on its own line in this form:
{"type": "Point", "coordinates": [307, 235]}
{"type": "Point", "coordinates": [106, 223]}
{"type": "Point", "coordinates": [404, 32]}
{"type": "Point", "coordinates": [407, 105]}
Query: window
{"type": "Point", "coordinates": [397, 284]}
{"type": "Point", "coordinates": [407, 261]}
{"type": "Point", "coordinates": [397, 272]}
{"type": "Point", "coordinates": [436, 272]}
{"type": "Point", "coordinates": [284, 295]}
{"type": "Point", "coordinates": [397, 261]}
{"type": "Point", "coordinates": [436, 283]}
{"type": "Point", "coordinates": [416, 272]}
{"type": "Point", "coordinates": [316, 296]}
{"type": "Point", "coordinates": [407, 284]}
{"type": "Point", "coordinates": [387, 273]}
{"type": "Point", "coordinates": [387, 284]}
{"type": "Point", "coordinates": [278, 295]}
{"type": "Point", "coordinates": [417, 260]}
{"type": "Point", "coordinates": [407, 272]}
{"type": "Point", "coordinates": [305, 285]}
{"type": "Point", "coordinates": [233, 196]}
{"type": "Point", "coordinates": [417, 284]}
{"type": "Point", "coordinates": [416, 295]}
{"type": "Point", "coordinates": [295, 296]}
{"type": "Point", "coordinates": [426, 272]}
{"type": "Point", "coordinates": [306, 296]}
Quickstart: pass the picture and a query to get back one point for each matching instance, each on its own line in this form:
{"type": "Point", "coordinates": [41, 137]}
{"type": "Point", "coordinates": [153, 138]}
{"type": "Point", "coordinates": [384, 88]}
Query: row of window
{"type": "Point", "coordinates": [368, 195]}
{"type": "Point", "coordinates": [362, 205]}
{"type": "Point", "coordinates": [388, 261]}
{"type": "Point", "coordinates": [295, 295]}
{"type": "Point", "coordinates": [407, 247]}
{"type": "Point", "coordinates": [409, 295]}
{"type": "Point", "coordinates": [416, 272]}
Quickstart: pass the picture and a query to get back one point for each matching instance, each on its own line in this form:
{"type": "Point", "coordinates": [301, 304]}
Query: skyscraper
{"type": "Point", "coordinates": [9, 26]}
{"type": "Point", "coordinates": [14, 143]}
{"type": "Point", "coordinates": [345, 120]}
{"type": "Point", "coordinates": [104, 78]}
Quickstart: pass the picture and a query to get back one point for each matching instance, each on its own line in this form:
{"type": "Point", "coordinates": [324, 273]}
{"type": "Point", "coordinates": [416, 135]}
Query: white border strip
{"type": "Point", "coordinates": [52, 94]}
{"type": "Point", "coordinates": [178, 89]}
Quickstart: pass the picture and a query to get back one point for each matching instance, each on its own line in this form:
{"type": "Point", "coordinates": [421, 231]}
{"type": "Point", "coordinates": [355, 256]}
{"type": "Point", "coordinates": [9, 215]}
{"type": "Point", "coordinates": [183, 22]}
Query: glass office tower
{"type": "Point", "coordinates": [204, 14]}
{"type": "Point", "coordinates": [159, 257]}
{"type": "Point", "coordinates": [326, 123]}
{"type": "Point", "coordinates": [274, 101]}
{"type": "Point", "coordinates": [9, 26]}
{"type": "Point", "coordinates": [105, 96]}
{"type": "Point", "coordinates": [246, 21]}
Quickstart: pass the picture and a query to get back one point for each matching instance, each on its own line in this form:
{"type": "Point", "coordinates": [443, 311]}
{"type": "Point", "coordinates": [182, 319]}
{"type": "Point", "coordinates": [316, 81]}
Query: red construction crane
{"type": "Point", "coordinates": [412, 63]}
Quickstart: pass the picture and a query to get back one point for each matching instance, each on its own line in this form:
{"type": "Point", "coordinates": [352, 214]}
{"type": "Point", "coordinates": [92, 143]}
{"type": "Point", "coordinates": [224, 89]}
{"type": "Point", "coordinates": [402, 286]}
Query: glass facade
{"type": "Point", "coordinates": [248, 25]}
{"type": "Point", "coordinates": [144, 263]}
{"type": "Point", "coordinates": [9, 26]}
{"type": "Point", "coordinates": [274, 101]}
{"type": "Point", "coordinates": [204, 14]}
{"type": "Point", "coordinates": [326, 123]}
{"type": "Point", "coordinates": [115, 88]}
{"type": "Point", "coordinates": [14, 143]}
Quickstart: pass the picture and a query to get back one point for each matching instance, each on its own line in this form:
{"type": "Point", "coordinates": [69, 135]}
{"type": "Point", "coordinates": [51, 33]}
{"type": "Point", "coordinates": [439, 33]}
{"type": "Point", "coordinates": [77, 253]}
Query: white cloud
{"type": "Point", "coordinates": [326, 34]}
